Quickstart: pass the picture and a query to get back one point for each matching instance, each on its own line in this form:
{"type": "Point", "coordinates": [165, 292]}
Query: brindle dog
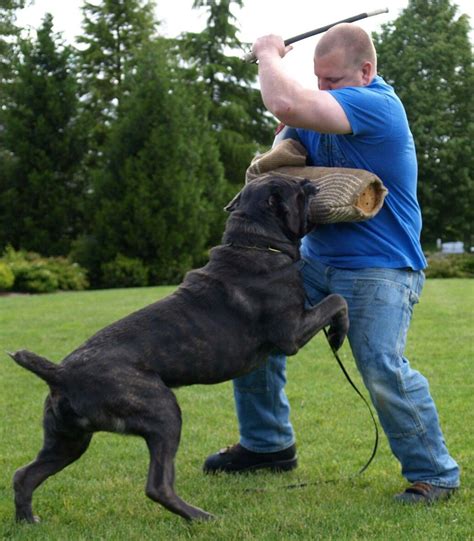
{"type": "Point", "coordinates": [222, 322]}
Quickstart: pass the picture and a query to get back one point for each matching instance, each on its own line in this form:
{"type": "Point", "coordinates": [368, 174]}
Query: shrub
{"type": "Point", "coordinates": [124, 272]}
{"type": "Point", "coordinates": [35, 274]}
{"type": "Point", "coordinates": [12, 256]}
{"type": "Point", "coordinates": [467, 265]}
{"type": "Point", "coordinates": [450, 266]}
{"type": "Point", "coordinates": [35, 278]}
{"type": "Point", "coordinates": [70, 275]}
{"type": "Point", "coordinates": [7, 278]}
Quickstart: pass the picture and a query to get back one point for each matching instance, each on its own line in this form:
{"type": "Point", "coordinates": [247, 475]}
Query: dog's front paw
{"type": "Point", "coordinates": [338, 330]}
{"type": "Point", "coordinates": [335, 338]}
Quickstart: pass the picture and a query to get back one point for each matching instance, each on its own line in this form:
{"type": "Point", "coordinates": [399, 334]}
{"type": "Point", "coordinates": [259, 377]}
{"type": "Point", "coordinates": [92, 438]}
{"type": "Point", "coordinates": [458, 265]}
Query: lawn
{"type": "Point", "coordinates": [102, 495]}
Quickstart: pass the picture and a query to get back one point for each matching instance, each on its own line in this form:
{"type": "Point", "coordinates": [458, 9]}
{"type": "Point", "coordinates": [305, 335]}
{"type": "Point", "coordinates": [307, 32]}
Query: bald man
{"type": "Point", "coordinates": [354, 119]}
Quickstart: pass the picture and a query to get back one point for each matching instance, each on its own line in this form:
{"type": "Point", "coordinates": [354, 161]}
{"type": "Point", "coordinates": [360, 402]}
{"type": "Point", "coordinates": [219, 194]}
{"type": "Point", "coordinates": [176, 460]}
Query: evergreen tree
{"type": "Point", "coordinates": [8, 39]}
{"type": "Point", "coordinates": [161, 192]}
{"type": "Point", "coordinates": [8, 31]}
{"type": "Point", "coordinates": [113, 32]}
{"type": "Point", "coordinates": [426, 55]}
{"type": "Point", "coordinates": [40, 189]}
{"type": "Point", "coordinates": [237, 114]}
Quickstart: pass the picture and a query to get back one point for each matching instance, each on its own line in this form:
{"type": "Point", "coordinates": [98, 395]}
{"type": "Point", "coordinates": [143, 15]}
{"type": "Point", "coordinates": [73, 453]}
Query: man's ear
{"type": "Point", "coordinates": [233, 204]}
{"type": "Point", "coordinates": [367, 72]}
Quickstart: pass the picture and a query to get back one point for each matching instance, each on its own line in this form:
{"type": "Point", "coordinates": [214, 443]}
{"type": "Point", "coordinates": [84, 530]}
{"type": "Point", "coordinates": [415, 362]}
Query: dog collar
{"type": "Point", "coordinates": [262, 249]}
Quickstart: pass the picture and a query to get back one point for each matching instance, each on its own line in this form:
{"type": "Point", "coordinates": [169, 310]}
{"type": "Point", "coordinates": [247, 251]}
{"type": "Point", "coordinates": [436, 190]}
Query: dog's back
{"type": "Point", "coordinates": [222, 311]}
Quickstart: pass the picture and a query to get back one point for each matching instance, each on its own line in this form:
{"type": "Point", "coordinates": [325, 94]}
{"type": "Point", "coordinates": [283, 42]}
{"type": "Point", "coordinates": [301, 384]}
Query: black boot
{"type": "Point", "coordinates": [237, 459]}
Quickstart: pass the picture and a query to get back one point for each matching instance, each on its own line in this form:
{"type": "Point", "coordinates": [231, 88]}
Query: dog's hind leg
{"type": "Point", "coordinates": [59, 450]}
{"type": "Point", "coordinates": [163, 443]}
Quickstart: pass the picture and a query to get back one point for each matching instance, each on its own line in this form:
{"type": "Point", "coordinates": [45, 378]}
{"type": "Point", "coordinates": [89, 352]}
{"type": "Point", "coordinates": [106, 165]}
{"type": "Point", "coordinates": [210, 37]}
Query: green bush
{"type": "Point", "coordinates": [71, 276]}
{"type": "Point", "coordinates": [7, 278]}
{"type": "Point", "coordinates": [35, 274]}
{"type": "Point", "coordinates": [450, 266]}
{"type": "Point", "coordinates": [467, 265]}
{"type": "Point", "coordinates": [35, 278]}
{"type": "Point", "coordinates": [124, 272]}
{"type": "Point", "coordinates": [12, 256]}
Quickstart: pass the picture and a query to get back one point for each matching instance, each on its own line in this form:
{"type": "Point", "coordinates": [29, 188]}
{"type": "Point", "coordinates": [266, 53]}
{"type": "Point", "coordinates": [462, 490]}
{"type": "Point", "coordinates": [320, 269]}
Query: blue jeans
{"type": "Point", "coordinates": [380, 303]}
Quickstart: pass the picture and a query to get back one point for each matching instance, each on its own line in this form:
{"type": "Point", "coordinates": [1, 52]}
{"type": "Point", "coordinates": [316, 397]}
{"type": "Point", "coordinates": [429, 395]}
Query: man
{"type": "Point", "coordinates": [354, 120]}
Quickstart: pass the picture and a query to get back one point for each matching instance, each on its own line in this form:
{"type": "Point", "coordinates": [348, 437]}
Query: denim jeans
{"type": "Point", "coordinates": [380, 303]}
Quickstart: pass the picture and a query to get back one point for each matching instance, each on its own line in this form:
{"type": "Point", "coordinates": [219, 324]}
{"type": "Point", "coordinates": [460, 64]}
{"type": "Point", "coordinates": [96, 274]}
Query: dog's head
{"type": "Point", "coordinates": [277, 198]}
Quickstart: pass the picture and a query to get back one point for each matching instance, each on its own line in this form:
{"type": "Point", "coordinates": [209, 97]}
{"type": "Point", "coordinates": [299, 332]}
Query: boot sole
{"type": "Point", "coordinates": [275, 467]}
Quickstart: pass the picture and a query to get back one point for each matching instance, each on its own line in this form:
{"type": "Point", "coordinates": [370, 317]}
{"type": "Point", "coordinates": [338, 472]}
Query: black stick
{"type": "Point", "coordinates": [249, 57]}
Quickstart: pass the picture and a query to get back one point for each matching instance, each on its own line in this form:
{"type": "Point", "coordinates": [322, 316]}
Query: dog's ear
{"type": "Point", "coordinates": [309, 187]}
{"type": "Point", "coordinates": [275, 201]}
{"type": "Point", "coordinates": [286, 210]}
{"type": "Point", "coordinates": [293, 210]}
{"type": "Point", "coordinates": [233, 204]}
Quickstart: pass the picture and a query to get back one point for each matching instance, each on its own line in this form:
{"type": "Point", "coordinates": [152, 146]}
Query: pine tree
{"type": "Point", "coordinates": [8, 32]}
{"type": "Point", "coordinates": [161, 192]}
{"type": "Point", "coordinates": [114, 31]}
{"type": "Point", "coordinates": [426, 55]}
{"type": "Point", "coordinates": [40, 190]}
{"type": "Point", "coordinates": [237, 114]}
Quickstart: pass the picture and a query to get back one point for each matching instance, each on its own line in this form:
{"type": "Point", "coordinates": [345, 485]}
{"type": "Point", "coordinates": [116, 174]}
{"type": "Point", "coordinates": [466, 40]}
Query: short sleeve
{"type": "Point", "coordinates": [367, 110]}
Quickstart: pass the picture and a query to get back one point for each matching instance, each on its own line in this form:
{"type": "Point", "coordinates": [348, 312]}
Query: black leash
{"type": "Point", "coordinates": [344, 371]}
{"type": "Point", "coordinates": [353, 385]}
{"type": "Point", "coordinates": [376, 431]}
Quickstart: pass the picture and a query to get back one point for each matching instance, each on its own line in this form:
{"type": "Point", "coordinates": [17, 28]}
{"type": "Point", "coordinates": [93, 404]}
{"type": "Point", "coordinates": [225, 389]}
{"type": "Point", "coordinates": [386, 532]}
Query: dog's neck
{"type": "Point", "coordinates": [294, 256]}
{"type": "Point", "coordinates": [250, 235]}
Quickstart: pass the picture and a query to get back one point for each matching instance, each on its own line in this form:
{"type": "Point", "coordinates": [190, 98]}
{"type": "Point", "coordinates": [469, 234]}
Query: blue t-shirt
{"type": "Point", "coordinates": [380, 142]}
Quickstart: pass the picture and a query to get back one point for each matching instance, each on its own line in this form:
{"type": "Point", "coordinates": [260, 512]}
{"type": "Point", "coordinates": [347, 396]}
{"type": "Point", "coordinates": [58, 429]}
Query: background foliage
{"type": "Point", "coordinates": [41, 193]}
{"type": "Point", "coordinates": [427, 56]}
{"type": "Point", "coordinates": [30, 272]}
{"type": "Point", "coordinates": [121, 152]}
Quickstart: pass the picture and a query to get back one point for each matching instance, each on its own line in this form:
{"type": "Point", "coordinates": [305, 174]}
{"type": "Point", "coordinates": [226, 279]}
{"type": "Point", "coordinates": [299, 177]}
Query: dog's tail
{"type": "Point", "coordinates": [46, 370]}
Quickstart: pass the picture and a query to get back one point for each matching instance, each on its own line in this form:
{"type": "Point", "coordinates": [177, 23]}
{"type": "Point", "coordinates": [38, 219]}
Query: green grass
{"type": "Point", "coordinates": [102, 495]}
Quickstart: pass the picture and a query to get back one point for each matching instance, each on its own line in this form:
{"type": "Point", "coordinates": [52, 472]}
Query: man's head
{"type": "Point", "coordinates": [345, 56]}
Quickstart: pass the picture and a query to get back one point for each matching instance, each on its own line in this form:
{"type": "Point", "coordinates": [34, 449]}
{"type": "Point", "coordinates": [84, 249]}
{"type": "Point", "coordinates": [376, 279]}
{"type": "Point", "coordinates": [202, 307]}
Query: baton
{"type": "Point", "coordinates": [250, 58]}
